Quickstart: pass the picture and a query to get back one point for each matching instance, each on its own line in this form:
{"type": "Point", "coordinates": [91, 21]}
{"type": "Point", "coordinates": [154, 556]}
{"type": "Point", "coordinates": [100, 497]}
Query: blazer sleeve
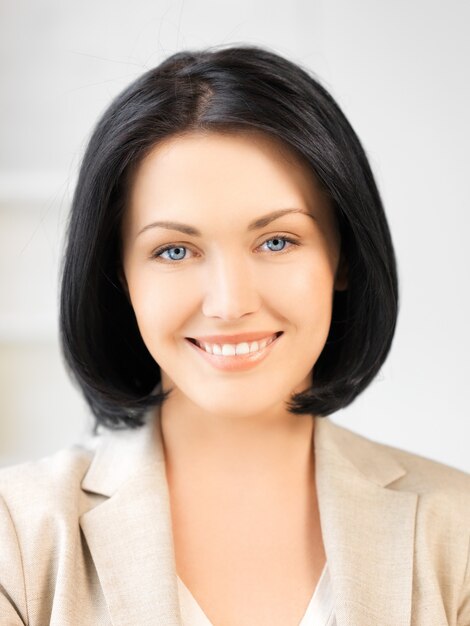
{"type": "Point", "coordinates": [13, 609]}
{"type": "Point", "coordinates": [463, 617]}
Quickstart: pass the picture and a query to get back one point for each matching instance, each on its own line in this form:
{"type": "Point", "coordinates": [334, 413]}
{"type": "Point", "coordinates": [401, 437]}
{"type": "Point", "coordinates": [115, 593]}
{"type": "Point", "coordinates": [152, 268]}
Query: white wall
{"type": "Point", "coordinates": [400, 72]}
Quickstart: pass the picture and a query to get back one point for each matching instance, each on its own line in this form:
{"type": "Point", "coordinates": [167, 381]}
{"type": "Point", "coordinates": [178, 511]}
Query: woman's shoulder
{"type": "Point", "coordinates": [430, 473]}
{"type": "Point", "coordinates": [44, 566]}
{"type": "Point", "coordinates": [43, 485]}
{"type": "Point", "coordinates": [421, 474]}
{"type": "Point", "coordinates": [63, 484]}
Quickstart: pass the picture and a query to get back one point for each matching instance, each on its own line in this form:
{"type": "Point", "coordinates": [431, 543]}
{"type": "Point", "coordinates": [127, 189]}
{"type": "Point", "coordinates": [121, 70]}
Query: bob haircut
{"type": "Point", "coordinates": [220, 89]}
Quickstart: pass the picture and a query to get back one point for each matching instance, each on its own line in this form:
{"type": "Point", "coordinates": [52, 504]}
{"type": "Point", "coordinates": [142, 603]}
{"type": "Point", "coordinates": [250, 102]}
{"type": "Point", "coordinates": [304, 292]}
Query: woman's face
{"type": "Point", "coordinates": [223, 274]}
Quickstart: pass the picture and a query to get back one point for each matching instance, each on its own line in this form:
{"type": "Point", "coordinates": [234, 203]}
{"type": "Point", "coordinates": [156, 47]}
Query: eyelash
{"type": "Point", "coordinates": [156, 253]}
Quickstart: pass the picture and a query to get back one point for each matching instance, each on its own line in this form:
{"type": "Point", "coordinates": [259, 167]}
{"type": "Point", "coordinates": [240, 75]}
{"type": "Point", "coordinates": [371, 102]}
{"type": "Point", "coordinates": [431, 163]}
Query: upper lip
{"type": "Point", "coordinates": [240, 338]}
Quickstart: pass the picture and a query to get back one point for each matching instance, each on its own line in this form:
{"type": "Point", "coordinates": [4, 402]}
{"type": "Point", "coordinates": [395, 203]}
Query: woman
{"type": "Point", "coordinates": [229, 281]}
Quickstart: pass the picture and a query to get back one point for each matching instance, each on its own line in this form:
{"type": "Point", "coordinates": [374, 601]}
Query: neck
{"type": "Point", "coordinates": [276, 446]}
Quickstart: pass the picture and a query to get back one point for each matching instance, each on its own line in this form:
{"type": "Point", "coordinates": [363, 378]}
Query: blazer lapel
{"type": "Point", "coordinates": [367, 527]}
{"type": "Point", "coordinates": [129, 532]}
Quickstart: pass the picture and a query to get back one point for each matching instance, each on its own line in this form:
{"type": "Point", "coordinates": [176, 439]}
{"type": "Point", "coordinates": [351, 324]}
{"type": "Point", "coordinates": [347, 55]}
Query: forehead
{"type": "Point", "coordinates": [239, 174]}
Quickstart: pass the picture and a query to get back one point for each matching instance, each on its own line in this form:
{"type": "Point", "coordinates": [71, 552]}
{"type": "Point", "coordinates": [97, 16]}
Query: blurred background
{"type": "Point", "coordinates": [400, 72]}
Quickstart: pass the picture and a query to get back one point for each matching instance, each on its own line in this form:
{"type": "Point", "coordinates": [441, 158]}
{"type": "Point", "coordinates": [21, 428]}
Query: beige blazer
{"type": "Point", "coordinates": [86, 539]}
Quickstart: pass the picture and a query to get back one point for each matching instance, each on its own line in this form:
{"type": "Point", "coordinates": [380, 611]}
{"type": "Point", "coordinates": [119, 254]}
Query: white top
{"type": "Point", "coordinates": [319, 611]}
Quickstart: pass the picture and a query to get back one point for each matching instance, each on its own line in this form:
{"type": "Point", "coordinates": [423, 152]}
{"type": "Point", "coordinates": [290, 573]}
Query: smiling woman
{"type": "Point", "coordinates": [266, 145]}
{"type": "Point", "coordinates": [229, 282]}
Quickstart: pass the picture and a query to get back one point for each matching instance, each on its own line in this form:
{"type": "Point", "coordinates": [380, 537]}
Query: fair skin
{"type": "Point", "coordinates": [240, 467]}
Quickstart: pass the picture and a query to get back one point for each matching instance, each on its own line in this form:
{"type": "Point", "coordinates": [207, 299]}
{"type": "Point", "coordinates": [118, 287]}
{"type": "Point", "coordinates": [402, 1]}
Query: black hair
{"type": "Point", "coordinates": [219, 89]}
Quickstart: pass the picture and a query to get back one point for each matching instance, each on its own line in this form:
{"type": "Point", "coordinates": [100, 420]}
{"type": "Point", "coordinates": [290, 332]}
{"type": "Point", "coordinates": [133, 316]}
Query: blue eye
{"type": "Point", "coordinates": [278, 240]}
{"type": "Point", "coordinates": [181, 250]}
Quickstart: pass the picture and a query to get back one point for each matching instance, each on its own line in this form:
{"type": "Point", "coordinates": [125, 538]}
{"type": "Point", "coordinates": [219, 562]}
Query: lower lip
{"type": "Point", "coordinates": [236, 362]}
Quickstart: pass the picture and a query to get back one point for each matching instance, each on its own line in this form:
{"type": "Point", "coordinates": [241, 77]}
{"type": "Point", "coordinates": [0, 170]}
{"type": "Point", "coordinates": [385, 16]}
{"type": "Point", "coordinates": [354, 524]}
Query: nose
{"type": "Point", "coordinates": [230, 290]}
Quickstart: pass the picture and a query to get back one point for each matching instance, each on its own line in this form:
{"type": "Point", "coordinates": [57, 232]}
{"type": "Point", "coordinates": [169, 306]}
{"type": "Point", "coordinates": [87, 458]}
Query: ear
{"type": "Point", "coordinates": [341, 278]}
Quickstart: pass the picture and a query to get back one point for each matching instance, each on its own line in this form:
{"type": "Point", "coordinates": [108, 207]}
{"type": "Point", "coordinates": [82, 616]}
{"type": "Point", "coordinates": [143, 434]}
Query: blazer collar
{"type": "Point", "coordinates": [129, 533]}
{"type": "Point", "coordinates": [367, 527]}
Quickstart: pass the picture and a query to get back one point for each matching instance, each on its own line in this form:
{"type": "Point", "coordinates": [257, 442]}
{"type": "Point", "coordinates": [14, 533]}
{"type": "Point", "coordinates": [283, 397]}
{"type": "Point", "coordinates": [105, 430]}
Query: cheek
{"type": "Point", "coordinates": [308, 291]}
{"type": "Point", "coordinates": [312, 306]}
{"type": "Point", "coordinates": [161, 306]}
{"type": "Point", "coordinates": [146, 312]}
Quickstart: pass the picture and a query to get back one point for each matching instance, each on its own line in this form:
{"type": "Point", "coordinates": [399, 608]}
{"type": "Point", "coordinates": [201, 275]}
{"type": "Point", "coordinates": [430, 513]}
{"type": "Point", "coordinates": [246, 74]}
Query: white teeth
{"type": "Point", "coordinates": [230, 349]}
{"type": "Point", "coordinates": [243, 348]}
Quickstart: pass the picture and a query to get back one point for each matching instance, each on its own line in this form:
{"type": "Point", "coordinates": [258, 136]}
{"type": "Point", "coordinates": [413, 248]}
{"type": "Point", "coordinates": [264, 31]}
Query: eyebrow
{"type": "Point", "coordinates": [260, 222]}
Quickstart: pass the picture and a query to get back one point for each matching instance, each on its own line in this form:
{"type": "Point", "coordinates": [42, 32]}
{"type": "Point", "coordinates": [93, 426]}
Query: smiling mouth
{"type": "Point", "coordinates": [223, 357]}
{"type": "Point", "coordinates": [226, 349]}
{"type": "Point", "coordinates": [201, 344]}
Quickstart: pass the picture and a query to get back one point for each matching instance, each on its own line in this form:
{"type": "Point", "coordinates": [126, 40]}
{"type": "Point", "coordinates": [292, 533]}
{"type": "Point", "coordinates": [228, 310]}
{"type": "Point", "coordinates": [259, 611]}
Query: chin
{"type": "Point", "coordinates": [233, 404]}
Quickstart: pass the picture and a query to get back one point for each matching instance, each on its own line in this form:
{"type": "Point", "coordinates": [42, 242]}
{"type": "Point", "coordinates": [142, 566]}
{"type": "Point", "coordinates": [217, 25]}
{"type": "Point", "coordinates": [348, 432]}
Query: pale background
{"type": "Point", "coordinates": [400, 72]}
